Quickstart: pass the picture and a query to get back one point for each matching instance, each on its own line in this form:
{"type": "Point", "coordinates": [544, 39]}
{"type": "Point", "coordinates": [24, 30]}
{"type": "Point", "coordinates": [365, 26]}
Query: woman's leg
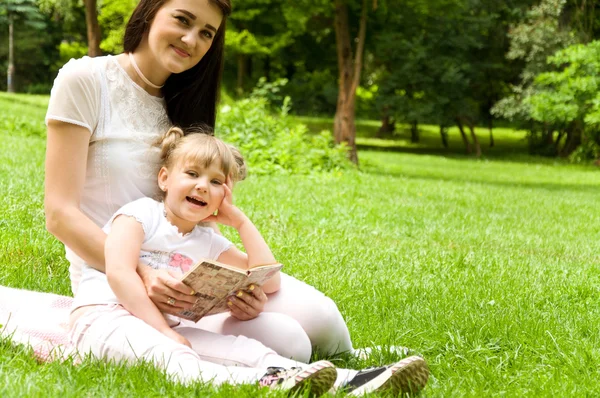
{"type": "Point", "coordinates": [297, 309]}
{"type": "Point", "coordinates": [112, 332]}
{"type": "Point", "coordinates": [317, 314]}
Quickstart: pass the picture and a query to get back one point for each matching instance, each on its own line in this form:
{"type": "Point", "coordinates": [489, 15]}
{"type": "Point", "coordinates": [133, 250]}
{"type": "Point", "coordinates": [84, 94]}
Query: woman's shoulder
{"type": "Point", "coordinates": [82, 69]}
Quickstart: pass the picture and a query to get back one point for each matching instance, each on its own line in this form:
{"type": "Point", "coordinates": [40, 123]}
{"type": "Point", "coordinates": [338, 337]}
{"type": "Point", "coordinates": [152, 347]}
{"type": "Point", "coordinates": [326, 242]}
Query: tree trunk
{"type": "Point", "coordinates": [561, 134]}
{"type": "Point", "coordinates": [444, 135]}
{"type": "Point", "coordinates": [490, 128]}
{"type": "Point", "coordinates": [387, 125]}
{"type": "Point", "coordinates": [414, 132]}
{"type": "Point", "coordinates": [464, 136]}
{"type": "Point", "coordinates": [10, 73]}
{"type": "Point", "coordinates": [573, 139]}
{"type": "Point", "coordinates": [475, 140]}
{"type": "Point", "coordinates": [93, 28]}
{"type": "Point", "coordinates": [349, 77]}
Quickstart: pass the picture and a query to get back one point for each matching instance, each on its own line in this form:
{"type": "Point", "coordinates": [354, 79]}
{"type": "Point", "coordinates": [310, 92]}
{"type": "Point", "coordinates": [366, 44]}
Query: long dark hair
{"type": "Point", "coordinates": [191, 96]}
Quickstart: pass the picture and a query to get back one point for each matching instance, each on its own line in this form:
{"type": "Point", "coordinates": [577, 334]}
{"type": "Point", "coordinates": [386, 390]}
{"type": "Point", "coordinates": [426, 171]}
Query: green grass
{"type": "Point", "coordinates": [489, 268]}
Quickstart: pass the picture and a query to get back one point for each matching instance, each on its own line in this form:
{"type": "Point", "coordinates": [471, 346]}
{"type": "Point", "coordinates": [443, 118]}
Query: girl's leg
{"type": "Point", "coordinates": [111, 332]}
{"type": "Point", "coordinates": [279, 332]}
{"type": "Point", "coordinates": [311, 313]}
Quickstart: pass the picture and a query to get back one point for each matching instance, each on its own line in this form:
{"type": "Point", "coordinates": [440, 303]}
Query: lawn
{"type": "Point", "coordinates": [489, 268]}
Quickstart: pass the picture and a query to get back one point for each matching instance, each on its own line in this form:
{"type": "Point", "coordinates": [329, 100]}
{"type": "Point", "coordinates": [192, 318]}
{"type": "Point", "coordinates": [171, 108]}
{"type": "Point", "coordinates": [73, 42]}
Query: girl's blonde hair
{"type": "Point", "coordinates": [197, 145]}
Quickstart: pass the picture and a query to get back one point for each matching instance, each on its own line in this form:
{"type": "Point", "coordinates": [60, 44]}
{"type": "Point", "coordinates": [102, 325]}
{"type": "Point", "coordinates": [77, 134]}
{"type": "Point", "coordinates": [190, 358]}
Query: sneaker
{"type": "Point", "coordinates": [318, 378]}
{"type": "Point", "coordinates": [409, 376]}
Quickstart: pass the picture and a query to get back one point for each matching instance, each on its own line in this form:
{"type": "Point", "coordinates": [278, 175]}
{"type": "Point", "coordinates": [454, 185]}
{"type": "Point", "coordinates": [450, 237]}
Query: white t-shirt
{"type": "Point", "coordinates": [123, 122]}
{"type": "Point", "coordinates": [163, 248]}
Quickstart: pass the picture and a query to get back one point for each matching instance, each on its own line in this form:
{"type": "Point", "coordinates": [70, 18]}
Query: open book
{"type": "Point", "coordinates": [213, 282]}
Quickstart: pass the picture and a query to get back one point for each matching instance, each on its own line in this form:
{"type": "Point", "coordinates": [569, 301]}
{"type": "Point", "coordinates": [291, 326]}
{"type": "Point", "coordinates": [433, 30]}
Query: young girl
{"type": "Point", "coordinates": [114, 318]}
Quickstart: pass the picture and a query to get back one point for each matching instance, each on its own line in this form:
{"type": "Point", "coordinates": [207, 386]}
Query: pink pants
{"type": "Point", "coordinates": [111, 332]}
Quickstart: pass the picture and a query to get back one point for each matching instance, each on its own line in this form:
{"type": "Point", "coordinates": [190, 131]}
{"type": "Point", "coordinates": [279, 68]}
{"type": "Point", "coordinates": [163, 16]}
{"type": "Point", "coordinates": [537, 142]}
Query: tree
{"type": "Point", "coordinates": [349, 73]}
{"type": "Point", "coordinates": [567, 99]}
{"type": "Point", "coordinates": [66, 9]}
{"type": "Point", "coordinates": [540, 35]}
{"type": "Point", "coordinates": [13, 11]}
{"type": "Point", "coordinates": [93, 28]}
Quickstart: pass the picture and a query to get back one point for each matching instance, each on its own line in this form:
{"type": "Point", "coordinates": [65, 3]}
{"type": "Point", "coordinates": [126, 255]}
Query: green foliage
{"type": "Point", "coordinates": [270, 91]}
{"type": "Point", "coordinates": [568, 99]}
{"type": "Point", "coordinates": [540, 35]}
{"type": "Point", "coordinates": [442, 60]}
{"type": "Point", "coordinates": [24, 11]}
{"type": "Point", "coordinates": [277, 144]}
{"type": "Point", "coordinates": [113, 17]}
{"type": "Point", "coordinates": [68, 50]}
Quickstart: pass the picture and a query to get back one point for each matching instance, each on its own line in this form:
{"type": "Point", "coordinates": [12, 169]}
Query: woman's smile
{"type": "Point", "coordinates": [181, 52]}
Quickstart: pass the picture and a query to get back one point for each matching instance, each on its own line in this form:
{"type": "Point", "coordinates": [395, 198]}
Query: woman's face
{"type": "Point", "coordinates": [181, 33]}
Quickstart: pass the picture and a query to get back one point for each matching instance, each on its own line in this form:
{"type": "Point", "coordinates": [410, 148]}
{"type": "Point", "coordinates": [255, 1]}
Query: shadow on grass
{"type": "Point", "coordinates": [467, 179]}
{"type": "Point", "coordinates": [498, 153]}
{"type": "Point", "coordinates": [22, 100]}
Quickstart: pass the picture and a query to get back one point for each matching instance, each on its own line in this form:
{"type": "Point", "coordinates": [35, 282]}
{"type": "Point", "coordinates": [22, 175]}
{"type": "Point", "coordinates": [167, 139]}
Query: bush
{"type": "Point", "coordinates": [274, 143]}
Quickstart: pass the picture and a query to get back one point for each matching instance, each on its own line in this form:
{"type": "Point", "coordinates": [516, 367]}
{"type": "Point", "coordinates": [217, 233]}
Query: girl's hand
{"type": "Point", "coordinates": [167, 292]}
{"type": "Point", "coordinates": [247, 304]}
{"type": "Point", "coordinates": [170, 333]}
{"type": "Point", "coordinates": [227, 213]}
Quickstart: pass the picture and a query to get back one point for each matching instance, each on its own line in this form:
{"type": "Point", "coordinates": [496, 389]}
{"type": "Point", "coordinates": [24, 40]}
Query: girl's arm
{"type": "Point", "coordinates": [122, 250]}
{"type": "Point", "coordinates": [66, 162]}
{"type": "Point", "coordinates": [257, 251]}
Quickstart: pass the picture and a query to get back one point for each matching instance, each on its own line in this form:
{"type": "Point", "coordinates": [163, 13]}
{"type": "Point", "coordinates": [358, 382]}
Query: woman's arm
{"type": "Point", "coordinates": [66, 161]}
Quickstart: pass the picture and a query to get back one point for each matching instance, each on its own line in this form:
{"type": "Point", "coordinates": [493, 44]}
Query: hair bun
{"type": "Point", "coordinates": [169, 141]}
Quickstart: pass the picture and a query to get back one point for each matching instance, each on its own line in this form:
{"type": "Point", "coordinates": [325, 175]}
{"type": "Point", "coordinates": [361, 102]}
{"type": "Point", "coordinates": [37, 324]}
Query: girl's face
{"type": "Point", "coordinates": [192, 193]}
{"type": "Point", "coordinates": [181, 33]}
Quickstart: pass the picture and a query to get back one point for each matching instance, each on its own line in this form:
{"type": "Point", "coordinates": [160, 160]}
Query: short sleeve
{"type": "Point", "coordinates": [145, 210]}
{"type": "Point", "coordinates": [75, 96]}
{"type": "Point", "coordinates": [219, 244]}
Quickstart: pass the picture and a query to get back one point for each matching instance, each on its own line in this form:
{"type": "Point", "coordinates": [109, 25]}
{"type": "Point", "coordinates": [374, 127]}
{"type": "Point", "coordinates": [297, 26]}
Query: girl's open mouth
{"type": "Point", "coordinates": [196, 201]}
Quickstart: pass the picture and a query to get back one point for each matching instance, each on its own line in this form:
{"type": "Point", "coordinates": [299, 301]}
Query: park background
{"type": "Point", "coordinates": [464, 225]}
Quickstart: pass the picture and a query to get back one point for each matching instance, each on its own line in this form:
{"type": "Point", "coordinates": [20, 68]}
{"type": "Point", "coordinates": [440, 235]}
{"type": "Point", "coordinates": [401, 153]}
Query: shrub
{"type": "Point", "coordinates": [274, 143]}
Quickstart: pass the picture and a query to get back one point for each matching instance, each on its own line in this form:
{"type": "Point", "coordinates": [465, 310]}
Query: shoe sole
{"type": "Point", "coordinates": [407, 377]}
{"type": "Point", "coordinates": [317, 379]}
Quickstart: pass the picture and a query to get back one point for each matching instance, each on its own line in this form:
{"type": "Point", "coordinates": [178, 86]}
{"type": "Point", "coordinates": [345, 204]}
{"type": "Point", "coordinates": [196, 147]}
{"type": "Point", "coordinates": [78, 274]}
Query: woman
{"type": "Point", "coordinates": [105, 113]}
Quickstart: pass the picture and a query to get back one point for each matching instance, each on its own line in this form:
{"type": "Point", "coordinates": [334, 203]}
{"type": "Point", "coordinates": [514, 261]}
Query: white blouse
{"type": "Point", "coordinates": [124, 121]}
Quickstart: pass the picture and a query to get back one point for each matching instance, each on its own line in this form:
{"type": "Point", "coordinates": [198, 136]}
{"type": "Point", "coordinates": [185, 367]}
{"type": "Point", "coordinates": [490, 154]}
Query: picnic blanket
{"type": "Point", "coordinates": [39, 320]}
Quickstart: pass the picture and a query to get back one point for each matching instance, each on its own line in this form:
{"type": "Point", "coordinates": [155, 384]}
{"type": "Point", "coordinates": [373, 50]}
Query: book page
{"type": "Point", "coordinates": [257, 276]}
{"type": "Point", "coordinates": [212, 283]}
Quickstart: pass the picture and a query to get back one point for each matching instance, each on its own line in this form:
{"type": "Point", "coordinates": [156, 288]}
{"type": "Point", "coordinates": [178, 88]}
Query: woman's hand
{"type": "Point", "coordinates": [170, 333]}
{"type": "Point", "coordinates": [247, 304]}
{"type": "Point", "coordinates": [167, 292]}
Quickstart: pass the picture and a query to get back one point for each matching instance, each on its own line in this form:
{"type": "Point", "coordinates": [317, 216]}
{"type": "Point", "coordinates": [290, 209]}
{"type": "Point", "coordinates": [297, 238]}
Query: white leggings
{"type": "Point", "coordinates": [111, 332]}
{"type": "Point", "coordinates": [297, 318]}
